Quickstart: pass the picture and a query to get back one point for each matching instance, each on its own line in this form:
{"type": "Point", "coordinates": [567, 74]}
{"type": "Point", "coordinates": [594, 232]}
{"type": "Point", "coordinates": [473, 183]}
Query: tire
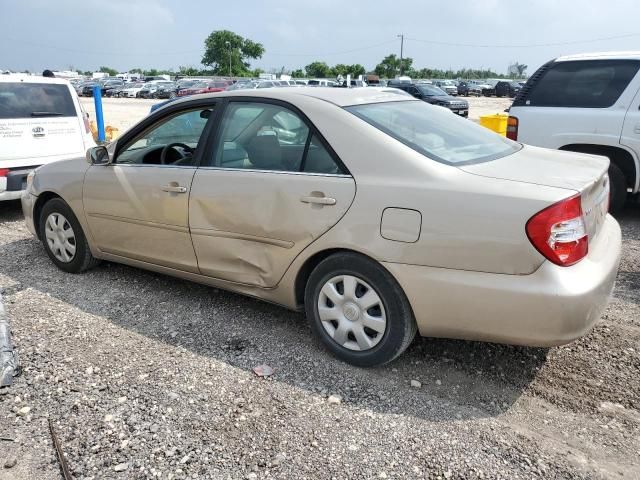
{"type": "Point", "coordinates": [391, 325]}
{"type": "Point", "coordinates": [618, 188]}
{"type": "Point", "coordinates": [57, 211]}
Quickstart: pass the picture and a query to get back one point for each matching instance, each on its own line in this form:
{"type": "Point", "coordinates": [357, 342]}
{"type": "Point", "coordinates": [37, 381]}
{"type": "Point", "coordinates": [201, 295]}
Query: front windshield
{"type": "Point", "coordinates": [431, 90]}
{"type": "Point", "coordinates": [435, 132]}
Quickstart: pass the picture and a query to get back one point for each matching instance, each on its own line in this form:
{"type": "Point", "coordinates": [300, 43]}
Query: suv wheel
{"type": "Point", "coordinates": [358, 310]}
{"type": "Point", "coordinates": [618, 186]}
{"type": "Point", "coordinates": [63, 238]}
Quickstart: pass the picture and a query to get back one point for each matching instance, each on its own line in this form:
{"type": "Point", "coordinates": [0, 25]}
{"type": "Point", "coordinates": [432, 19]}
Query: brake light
{"type": "Point", "coordinates": [559, 233]}
{"type": "Point", "coordinates": [4, 172]}
{"type": "Point", "coordinates": [512, 128]}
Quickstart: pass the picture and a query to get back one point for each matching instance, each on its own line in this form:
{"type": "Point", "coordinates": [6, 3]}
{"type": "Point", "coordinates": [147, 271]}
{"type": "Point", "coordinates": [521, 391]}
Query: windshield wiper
{"type": "Point", "coordinates": [46, 114]}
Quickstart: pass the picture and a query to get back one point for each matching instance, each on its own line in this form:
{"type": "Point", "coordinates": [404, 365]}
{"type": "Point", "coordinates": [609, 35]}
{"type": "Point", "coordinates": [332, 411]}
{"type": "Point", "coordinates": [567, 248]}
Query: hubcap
{"type": "Point", "coordinates": [60, 237]}
{"type": "Point", "coordinates": [352, 313]}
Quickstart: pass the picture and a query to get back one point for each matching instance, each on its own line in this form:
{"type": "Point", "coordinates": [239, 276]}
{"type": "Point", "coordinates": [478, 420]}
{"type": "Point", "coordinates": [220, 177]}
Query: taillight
{"type": "Point", "coordinates": [87, 127]}
{"type": "Point", "coordinates": [512, 128]}
{"type": "Point", "coordinates": [4, 172]}
{"type": "Point", "coordinates": [558, 232]}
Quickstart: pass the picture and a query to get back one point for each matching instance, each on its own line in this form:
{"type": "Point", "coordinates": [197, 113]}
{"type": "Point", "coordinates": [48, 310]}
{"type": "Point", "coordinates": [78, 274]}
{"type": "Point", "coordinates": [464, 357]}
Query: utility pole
{"type": "Point", "coordinates": [401, 37]}
{"type": "Point", "coordinates": [228, 44]}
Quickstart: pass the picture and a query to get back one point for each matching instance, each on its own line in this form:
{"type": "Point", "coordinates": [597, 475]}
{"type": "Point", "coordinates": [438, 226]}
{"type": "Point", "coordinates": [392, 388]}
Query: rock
{"type": "Point", "coordinates": [89, 370]}
{"type": "Point", "coordinates": [10, 463]}
{"type": "Point", "coordinates": [122, 399]}
{"type": "Point", "coordinates": [24, 411]}
{"type": "Point", "coordinates": [448, 474]}
{"type": "Point", "coordinates": [17, 400]}
{"type": "Point", "coordinates": [124, 444]}
{"type": "Point", "coordinates": [184, 459]}
{"type": "Point", "coordinates": [277, 460]}
{"type": "Point", "coordinates": [382, 475]}
{"type": "Point", "coordinates": [438, 382]}
{"type": "Point", "coordinates": [416, 384]}
{"type": "Point", "coordinates": [121, 467]}
{"type": "Point", "coordinates": [108, 418]}
{"type": "Point", "coordinates": [154, 428]}
{"type": "Point", "coordinates": [334, 399]}
{"type": "Point", "coordinates": [252, 476]}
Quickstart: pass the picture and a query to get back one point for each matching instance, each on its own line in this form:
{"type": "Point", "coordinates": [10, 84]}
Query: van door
{"type": "Point", "coordinates": [630, 136]}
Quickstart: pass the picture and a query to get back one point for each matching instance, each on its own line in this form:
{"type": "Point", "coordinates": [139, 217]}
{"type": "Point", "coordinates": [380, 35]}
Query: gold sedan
{"type": "Point", "coordinates": [376, 213]}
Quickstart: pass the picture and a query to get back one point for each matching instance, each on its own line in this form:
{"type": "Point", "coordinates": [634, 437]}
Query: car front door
{"type": "Point", "coordinates": [137, 206]}
{"type": "Point", "coordinates": [270, 186]}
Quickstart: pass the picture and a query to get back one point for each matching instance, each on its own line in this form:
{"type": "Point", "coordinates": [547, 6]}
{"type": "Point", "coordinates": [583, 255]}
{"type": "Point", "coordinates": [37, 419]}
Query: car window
{"type": "Point", "coordinates": [586, 84]}
{"type": "Point", "coordinates": [319, 160]}
{"type": "Point", "coordinates": [30, 100]}
{"type": "Point", "coordinates": [185, 128]}
{"type": "Point", "coordinates": [434, 132]}
{"type": "Point", "coordinates": [261, 136]}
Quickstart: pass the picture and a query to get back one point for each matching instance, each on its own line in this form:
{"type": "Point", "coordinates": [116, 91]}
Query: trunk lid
{"type": "Point", "coordinates": [577, 172]}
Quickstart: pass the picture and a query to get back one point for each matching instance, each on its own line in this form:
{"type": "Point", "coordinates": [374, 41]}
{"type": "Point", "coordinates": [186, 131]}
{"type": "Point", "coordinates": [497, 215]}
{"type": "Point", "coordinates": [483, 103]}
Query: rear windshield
{"type": "Point", "coordinates": [583, 84]}
{"type": "Point", "coordinates": [26, 100]}
{"type": "Point", "coordinates": [435, 132]}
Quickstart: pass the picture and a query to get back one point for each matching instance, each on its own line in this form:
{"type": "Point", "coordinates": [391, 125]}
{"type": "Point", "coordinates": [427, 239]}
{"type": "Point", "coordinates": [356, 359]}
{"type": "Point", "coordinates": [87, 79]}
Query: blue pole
{"type": "Point", "coordinates": [97, 99]}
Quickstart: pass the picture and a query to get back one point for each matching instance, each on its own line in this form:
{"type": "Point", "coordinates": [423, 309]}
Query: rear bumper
{"type": "Point", "coordinates": [13, 184]}
{"type": "Point", "coordinates": [552, 306]}
{"type": "Point", "coordinates": [11, 195]}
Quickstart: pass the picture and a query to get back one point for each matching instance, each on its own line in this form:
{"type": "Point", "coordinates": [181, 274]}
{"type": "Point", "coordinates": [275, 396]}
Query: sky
{"type": "Point", "coordinates": [164, 34]}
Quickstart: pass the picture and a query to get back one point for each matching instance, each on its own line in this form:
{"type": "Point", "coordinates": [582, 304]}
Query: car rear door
{"type": "Point", "coordinates": [630, 136]}
{"type": "Point", "coordinates": [270, 186]}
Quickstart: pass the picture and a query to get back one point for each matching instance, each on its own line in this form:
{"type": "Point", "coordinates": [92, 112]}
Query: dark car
{"type": "Point", "coordinates": [433, 95]}
{"type": "Point", "coordinates": [105, 86]}
{"type": "Point", "coordinates": [502, 88]}
{"type": "Point", "coordinates": [167, 90]}
{"type": "Point", "coordinates": [466, 89]}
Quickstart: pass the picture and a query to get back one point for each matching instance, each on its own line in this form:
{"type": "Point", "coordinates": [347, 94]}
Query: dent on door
{"type": "Point", "coordinates": [248, 227]}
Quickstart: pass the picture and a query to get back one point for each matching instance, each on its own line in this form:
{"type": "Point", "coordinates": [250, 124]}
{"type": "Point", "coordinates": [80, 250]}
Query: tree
{"type": "Point", "coordinates": [110, 71]}
{"type": "Point", "coordinates": [224, 48]}
{"type": "Point", "coordinates": [299, 73]}
{"type": "Point", "coordinates": [390, 66]}
{"type": "Point", "coordinates": [319, 70]}
{"type": "Point", "coordinates": [135, 70]}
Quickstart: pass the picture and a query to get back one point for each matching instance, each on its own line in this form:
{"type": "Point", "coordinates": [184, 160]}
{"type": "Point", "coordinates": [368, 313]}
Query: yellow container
{"type": "Point", "coordinates": [497, 123]}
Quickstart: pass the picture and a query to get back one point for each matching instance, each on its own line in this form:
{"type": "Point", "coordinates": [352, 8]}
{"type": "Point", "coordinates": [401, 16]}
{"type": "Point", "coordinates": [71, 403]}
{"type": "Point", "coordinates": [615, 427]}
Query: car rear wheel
{"type": "Point", "coordinates": [358, 310]}
{"type": "Point", "coordinates": [63, 238]}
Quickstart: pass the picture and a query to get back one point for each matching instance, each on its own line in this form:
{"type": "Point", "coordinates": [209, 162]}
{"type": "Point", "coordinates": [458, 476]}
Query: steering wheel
{"type": "Point", "coordinates": [165, 151]}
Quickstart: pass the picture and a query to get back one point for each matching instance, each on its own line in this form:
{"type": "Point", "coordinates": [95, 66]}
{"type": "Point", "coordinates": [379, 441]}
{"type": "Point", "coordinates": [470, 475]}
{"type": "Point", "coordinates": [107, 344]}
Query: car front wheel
{"type": "Point", "coordinates": [358, 310]}
{"type": "Point", "coordinates": [63, 238]}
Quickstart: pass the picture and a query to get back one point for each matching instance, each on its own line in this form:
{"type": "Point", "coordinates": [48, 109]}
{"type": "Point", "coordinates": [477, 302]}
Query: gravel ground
{"type": "Point", "coordinates": [146, 376]}
{"type": "Point", "coordinates": [123, 113]}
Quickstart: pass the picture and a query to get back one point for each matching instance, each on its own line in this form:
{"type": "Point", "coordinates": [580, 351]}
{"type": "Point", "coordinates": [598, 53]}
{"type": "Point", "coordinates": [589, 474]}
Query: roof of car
{"type": "Point", "coordinates": [341, 97]}
{"type": "Point", "coordinates": [623, 55]}
{"type": "Point", "coordinates": [32, 79]}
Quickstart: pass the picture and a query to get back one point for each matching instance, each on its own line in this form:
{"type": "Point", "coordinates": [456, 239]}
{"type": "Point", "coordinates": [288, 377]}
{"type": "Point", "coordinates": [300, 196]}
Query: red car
{"type": "Point", "coordinates": [205, 86]}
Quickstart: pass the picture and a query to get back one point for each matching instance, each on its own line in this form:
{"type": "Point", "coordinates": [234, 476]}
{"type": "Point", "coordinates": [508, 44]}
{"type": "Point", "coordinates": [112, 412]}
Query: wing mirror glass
{"type": "Point", "coordinates": [98, 156]}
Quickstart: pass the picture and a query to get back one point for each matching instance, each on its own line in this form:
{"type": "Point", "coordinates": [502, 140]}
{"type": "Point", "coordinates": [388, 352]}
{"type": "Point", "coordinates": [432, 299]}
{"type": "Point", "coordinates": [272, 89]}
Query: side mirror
{"type": "Point", "coordinates": [98, 156]}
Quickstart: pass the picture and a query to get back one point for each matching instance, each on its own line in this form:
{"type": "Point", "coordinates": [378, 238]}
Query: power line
{"type": "Point", "coordinates": [531, 45]}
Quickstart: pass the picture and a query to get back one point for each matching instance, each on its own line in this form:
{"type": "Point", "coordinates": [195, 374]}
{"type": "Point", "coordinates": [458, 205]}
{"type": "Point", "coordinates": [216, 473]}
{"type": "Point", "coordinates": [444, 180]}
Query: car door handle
{"type": "Point", "coordinates": [636, 128]}
{"type": "Point", "coordinates": [319, 200]}
{"type": "Point", "coordinates": [174, 189]}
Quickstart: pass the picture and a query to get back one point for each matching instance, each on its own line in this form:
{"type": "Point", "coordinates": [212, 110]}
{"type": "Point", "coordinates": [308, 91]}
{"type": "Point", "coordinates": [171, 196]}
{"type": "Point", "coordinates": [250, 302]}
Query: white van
{"type": "Point", "coordinates": [41, 121]}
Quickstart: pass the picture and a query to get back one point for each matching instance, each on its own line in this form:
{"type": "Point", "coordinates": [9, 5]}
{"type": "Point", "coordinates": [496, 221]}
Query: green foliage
{"type": "Point", "coordinates": [224, 48]}
{"type": "Point", "coordinates": [299, 73]}
{"type": "Point", "coordinates": [110, 71]}
{"type": "Point", "coordinates": [318, 69]}
{"type": "Point", "coordinates": [344, 70]}
{"type": "Point", "coordinates": [136, 70]}
{"type": "Point", "coordinates": [389, 67]}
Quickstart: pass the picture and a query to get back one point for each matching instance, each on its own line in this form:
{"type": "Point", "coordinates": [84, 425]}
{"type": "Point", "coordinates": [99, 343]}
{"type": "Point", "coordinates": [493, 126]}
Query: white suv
{"type": "Point", "coordinates": [41, 121]}
{"type": "Point", "coordinates": [586, 103]}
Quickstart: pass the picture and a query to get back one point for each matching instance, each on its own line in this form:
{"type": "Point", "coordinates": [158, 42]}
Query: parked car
{"type": "Point", "coordinates": [467, 89]}
{"type": "Point", "coordinates": [502, 88]}
{"type": "Point", "coordinates": [150, 88]}
{"type": "Point", "coordinates": [434, 95]}
{"type": "Point", "coordinates": [87, 89]}
{"type": "Point", "coordinates": [586, 103]}
{"type": "Point", "coordinates": [41, 121]}
{"type": "Point", "coordinates": [105, 85]}
{"type": "Point", "coordinates": [373, 250]}
{"type": "Point", "coordinates": [166, 90]}
{"type": "Point", "coordinates": [447, 86]}
{"type": "Point", "coordinates": [208, 86]}
{"type": "Point", "coordinates": [131, 90]}
{"type": "Point", "coordinates": [320, 82]}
